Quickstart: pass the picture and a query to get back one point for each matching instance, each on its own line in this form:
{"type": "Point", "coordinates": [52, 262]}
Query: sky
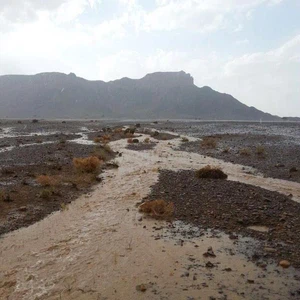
{"type": "Point", "coordinates": [247, 48]}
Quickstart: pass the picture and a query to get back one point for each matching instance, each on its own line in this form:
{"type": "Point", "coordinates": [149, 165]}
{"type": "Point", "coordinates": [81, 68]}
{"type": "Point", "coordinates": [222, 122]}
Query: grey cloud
{"type": "Point", "coordinates": [26, 11]}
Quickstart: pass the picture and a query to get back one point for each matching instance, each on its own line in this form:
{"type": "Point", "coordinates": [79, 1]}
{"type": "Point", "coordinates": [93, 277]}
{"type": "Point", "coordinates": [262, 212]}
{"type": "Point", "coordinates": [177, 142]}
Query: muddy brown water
{"type": "Point", "coordinates": [99, 248]}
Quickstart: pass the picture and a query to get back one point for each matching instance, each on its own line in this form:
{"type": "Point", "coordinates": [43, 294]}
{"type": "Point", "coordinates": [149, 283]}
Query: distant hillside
{"type": "Point", "coordinates": [291, 119]}
{"type": "Point", "coordinates": [158, 95]}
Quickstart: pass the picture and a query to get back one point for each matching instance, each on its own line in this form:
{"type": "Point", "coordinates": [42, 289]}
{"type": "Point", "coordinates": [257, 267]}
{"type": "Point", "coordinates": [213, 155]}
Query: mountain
{"type": "Point", "coordinates": [291, 119]}
{"type": "Point", "coordinates": [157, 95]}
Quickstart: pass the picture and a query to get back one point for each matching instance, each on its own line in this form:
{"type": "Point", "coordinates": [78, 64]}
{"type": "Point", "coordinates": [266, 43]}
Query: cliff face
{"type": "Point", "coordinates": [157, 95]}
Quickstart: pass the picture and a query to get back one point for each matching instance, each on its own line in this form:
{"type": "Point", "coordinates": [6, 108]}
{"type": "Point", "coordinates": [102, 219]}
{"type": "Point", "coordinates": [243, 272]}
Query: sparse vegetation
{"type": "Point", "coordinates": [209, 142]}
{"type": "Point", "coordinates": [130, 131]}
{"type": "Point", "coordinates": [101, 153]}
{"type": "Point", "coordinates": [147, 140]}
{"type": "Point", "coordinates": [211, 172]}
{"type": "Point", "coordinates": [129, 135]}
{"type": "Point", "coordinates": [260, 151]}
{"type": "Point", "coordinates": [118, 130]}
{"type": "Point", "coordinates": [46, 193]}
{"type": "Point", "coordinates": [130, 141]}
{"type": "Point", "coordinates": [97, 140]}
{"type": "Point", "coordinates": [226, 150]}
{"type": "Point", "coordinates": [7, 171]}
{"type": "Point", "coordinates": [46, 180]}
{"type": "Point", "coordinates": [159, 209]}
{"type": "Point", "coordinates": [245, 152]}
{"type": "Point", "coordinates": [105, 139]}
{"type": "Point", "coordinates": [185, 140]}
{"type": "Point", "coordinates": [89, 164]}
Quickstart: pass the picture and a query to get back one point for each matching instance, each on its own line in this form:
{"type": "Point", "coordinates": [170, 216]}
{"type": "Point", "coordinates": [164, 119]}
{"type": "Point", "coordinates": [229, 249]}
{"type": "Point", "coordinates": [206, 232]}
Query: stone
{"type": "Point", "coordinates": [141, 288]}
{"type": "Point", "coordinates": [209, 253]}
{"type": "Point", "coordinates": [284, 264]}
{"type": "Point", "coordinates": [209, 265]}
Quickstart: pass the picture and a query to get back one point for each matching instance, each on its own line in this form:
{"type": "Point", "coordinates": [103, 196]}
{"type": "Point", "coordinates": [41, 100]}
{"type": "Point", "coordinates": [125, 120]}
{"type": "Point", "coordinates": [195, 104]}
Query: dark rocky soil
{"type": "Point", "coordinates": [161, 136]}
{"type": "Point", "coordinates": [232, 207]}
{"type": "Point", "coordinates": [23, 201]}
{"type": "Point", "coordinates": [274, 156]}
{"type": "Point", "coordinates": [141, 146]}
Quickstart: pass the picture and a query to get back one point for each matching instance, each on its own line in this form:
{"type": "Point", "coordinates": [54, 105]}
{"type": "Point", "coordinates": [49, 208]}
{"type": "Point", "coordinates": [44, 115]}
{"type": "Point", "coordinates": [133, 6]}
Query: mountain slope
{"type": "Point", "coordinates": [157, 95]}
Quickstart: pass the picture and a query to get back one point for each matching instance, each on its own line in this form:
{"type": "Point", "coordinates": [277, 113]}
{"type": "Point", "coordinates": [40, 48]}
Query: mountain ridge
{"type": "Point", "coordinates": [170, 95]}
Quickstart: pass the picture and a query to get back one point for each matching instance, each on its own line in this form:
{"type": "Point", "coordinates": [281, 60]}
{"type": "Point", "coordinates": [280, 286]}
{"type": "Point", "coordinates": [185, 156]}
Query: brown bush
{"type": "Point", "coordinates": [245, 152]}
{"type": "Point", "coordinates": [209, 142]}
{"type": "Point", "coordinates": [226, 150]}
{"type": "Point", "coordinates": [260, 151]}
{"type": "Point", "coordinates": [130, 141]}
{"type": "Point", "coordinates": [147, 140]}
{"type": "Point", "coordinates": [46, 180]}
{"type": "Point", "coordinates": [211, 172]}
{"type": "Point", "coordinates": [105, 139]}
{"type": "Point", "coordinates": [81, 179]}
{"type": "Point", "coordinates": [118, 130]}
{"type": "Point", "coordinates": [129, 135]}
{"type": "Point", "coordinates": [185, 140]}
{"type": "Point", "coordinates": [159, 209]}
{"type": "Point", "coordinates": [97, 140]}
{"type": "Point", "coordinates": [101, 154]}
{"type": "Point", "coordinates": [89, 164]}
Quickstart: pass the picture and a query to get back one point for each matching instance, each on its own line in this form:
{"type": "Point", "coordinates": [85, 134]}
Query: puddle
{"type": "Point", "coordinates": [259, 228]}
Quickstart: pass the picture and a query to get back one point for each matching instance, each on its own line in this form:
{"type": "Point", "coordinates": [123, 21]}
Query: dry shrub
{"type": "Point", "coordinates": [209, 142]}
{"type": "Point", "coordinates": [97, 140]}
{"type": "Point", "coordinates": [245, 152]}
{"type": "Point", "coordinates": [226, 150]}
{"type": "Point", "coordinates": [147, 140]}
{"type": "Point", "coordinates": [130, 141]}
{"type": "Point", "coordinates": [101, 154]}
{"type": "Point", "coordinates": [185, 140]}
{"type": "Point", "coordinates": [260, 151]}
{"type": "Point", "coordinates": [46, 180]}
{"type": "Point", "coordinates": [118, 130]}
{"type": "Point", "coordinates": [211, 172]}
{"type": "Point", "coordinates": [159, 209]}
{"type": "Point", "coordinates": [89, 164]}
{"type": "Point", "coordinates": [129, 135]}
{"type": "Point", "coordinates": [81, 179]}
{"type": "Point", "coordinates": [46, 193]}
{"type": "Point", "coordinates": [7, 171]}
{"type": "Point", "coordinates": [105, 139]}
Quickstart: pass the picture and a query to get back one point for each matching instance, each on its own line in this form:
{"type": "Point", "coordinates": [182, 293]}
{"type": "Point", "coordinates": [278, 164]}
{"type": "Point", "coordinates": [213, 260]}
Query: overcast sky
{"type": "Point", "coordinates": [247, 48]}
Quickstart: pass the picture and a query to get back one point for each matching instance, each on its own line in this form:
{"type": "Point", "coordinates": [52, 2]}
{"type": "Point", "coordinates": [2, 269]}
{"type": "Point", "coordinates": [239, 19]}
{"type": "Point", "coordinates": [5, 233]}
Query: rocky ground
{"type": "Point", "coordinates": [28, 150]}
{"type": "Point", "coordinates": [141, 146]}
{"type": "Point", "coordinates": [273, 156]}
{"type": "Point", "coordinates": [235, 208]}
{"type": "Point", "coordinates": [278, 142]}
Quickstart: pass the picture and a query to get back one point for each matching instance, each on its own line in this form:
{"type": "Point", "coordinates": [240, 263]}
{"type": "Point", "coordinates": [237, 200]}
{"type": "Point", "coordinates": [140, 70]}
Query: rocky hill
{"type": "Point", "coordinates": [158, 95]}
